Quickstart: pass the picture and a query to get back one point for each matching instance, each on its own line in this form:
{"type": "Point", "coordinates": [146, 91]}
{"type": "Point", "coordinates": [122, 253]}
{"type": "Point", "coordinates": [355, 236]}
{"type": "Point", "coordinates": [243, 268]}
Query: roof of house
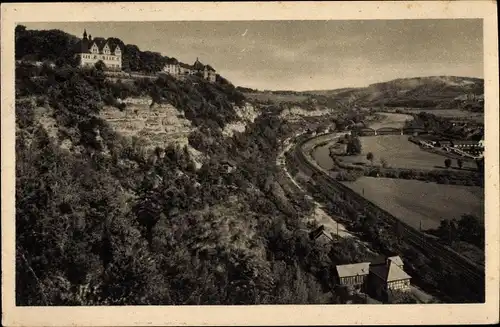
{"type": "Point", "coordinates": [85, 45]}
{"type": "Point", "coordinates": [183, 65]}
{"type": "Point", "coordinates": [397, 260]}
{"type": "Point", "coordinates": [317, 232]}
{"type": "Point", "coordinates": [210, 68]}
{"type": "Point", "coordinates": [355, 269]}
{"type": "Point", "coordinates": [100, 41]}
{"type": "Point", "coordinates": [389, 272]}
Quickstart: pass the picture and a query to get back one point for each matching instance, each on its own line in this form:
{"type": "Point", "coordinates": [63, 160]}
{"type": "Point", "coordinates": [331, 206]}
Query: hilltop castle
{"type": "Point", "coordinates": [178, 69]}
{"type": "Point", "coordinates": [90, 51]}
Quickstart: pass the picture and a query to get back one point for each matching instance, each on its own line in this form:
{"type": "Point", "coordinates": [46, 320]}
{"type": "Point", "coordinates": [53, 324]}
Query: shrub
{"type": "Point", "coordinates": [370, 157]}
{"type": "Point", "coordinates": [383, 163]}
{"type": "Point", "coordinates": [41, 101]}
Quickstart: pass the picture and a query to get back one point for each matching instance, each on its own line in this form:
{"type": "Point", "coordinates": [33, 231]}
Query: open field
{"type": "Point", "coordinates": [400, 153]}
{"type": "Point", "coordinates": [390, 120]}
{"type": "Point", "coordinates": [415, 201]}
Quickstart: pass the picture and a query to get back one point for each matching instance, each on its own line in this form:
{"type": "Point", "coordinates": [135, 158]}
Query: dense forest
{"type": "Point", "coordinates": [113, 223]}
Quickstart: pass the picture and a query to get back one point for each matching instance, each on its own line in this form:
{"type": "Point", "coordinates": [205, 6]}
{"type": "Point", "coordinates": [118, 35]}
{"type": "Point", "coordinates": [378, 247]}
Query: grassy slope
{"type": "Point", "coordinates": [421, 91]}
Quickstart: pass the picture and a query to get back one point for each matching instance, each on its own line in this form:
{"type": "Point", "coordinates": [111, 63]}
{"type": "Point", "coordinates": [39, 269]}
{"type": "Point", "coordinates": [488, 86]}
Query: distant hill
{"type": "Point", "coordinates": [433, 91]}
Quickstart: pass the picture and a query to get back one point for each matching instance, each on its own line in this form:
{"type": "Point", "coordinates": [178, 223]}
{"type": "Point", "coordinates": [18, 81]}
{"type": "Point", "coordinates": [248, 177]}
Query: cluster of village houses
{"type": "Point", "coordinates": [467, 148]}
{"type": "Point", "coordinates": [92, 50]}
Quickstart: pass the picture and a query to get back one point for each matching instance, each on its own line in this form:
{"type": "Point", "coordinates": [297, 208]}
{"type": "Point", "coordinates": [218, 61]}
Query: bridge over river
{"type": "Point", "coordinates": [367, 131]}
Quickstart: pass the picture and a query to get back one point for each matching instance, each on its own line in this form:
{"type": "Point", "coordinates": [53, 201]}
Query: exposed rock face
{"type": "Point", "coordinates": [160, 125]}
{"type": "Point", "coordinates": [247, 114]}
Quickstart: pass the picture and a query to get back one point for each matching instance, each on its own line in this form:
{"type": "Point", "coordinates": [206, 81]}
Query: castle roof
{"type": "Point", "coordinates": [85, 45]}
{"type": "Point", "coordinates": [210, 68]}
{"type": "Point", "coordinates": [198, 65]}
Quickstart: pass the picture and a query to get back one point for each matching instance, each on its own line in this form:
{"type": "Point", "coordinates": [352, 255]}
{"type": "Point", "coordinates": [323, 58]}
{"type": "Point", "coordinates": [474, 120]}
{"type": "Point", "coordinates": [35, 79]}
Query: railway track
{"type": "Point", "coordinates": [471, 271]}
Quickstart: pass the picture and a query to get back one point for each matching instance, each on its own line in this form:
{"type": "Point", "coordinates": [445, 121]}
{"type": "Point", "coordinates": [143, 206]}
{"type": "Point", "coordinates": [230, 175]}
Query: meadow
{"type": "Point", "coordinates": [398, 152]}
{"type": "Point", "coordinates": [415, 202]}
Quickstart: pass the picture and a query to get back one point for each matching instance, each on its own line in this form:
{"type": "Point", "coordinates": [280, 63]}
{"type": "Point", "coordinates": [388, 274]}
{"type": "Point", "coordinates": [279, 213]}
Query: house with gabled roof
{"type": "Point", "coordinates": [320, 235]}
{"type": "Point", "coordinates": [172, 67]}
{"type": "Point", "coordinates": [353, 275]}
{"type": "Point", "coordinates": [381, 276]}
{"type": "Point", "coordinates": [90, 51]}
{"type": "Point", "coordinates": [179, 69]}
{"type": "Point", "coordinates": [388, 277]}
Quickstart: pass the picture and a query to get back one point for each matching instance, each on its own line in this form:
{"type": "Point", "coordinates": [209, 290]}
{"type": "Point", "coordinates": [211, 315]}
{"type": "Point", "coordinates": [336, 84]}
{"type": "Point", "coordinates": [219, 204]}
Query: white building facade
{"type": "Point", "coordinates": [92, 51]}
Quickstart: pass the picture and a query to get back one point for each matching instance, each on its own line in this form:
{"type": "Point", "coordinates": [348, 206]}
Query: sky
{"type": "Point", "coordinates": [307, 55]}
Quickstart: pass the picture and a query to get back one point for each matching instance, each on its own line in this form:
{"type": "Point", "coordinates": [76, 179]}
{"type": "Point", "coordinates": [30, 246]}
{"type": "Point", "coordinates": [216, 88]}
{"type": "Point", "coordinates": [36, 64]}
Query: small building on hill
{"type": "Point", "coordinates": [207, 71]}
{"type": "Point", "coordinates": [320, 235]}
{"type": "Point", "coordinates": [185, 69]}
{"type": "Point", "coordinates": [172, 67]}
{"type": "Point", "coordinates": [90, 51]}
{"type": "Point", "coordinates": [179, 69]}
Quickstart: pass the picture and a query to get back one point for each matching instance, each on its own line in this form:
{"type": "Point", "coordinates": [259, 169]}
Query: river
{"type": "Point", "coordinates": [322, 153]}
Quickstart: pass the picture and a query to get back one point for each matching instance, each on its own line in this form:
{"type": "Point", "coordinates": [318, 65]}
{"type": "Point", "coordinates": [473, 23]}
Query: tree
{"type": "Point", "coordinates": [447, 163]}
{"type": "Point", "coordinates": [76, 99]}
{"type": "Point", "coordinates": [100, 65]}
{"type": "Point", "coordinates": [383, 162]}
{"type": "Point", "coordinates": [353, 146]}
{"type": "Point", "coordinates": [448, 230]}
{"type": "Point", "coordinates": [471, 230]}
{"type": "Point", "coordinates": [370, 157]}
{"type": "Point", "coordinates": [480, 165]}
{"type": "Point", "coordinates": [402, 297]}
{"type": "Point", "coordinates": [132, 58]}
{"type": "Point", "coordinates": [460, 163]}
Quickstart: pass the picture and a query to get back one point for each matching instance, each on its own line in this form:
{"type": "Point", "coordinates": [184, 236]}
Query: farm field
{"type": "Point", "coordinates": [415, 201]}
{"type": "Point", "coordinates": [321, 154]}
{"type": "Point", "coordinates": [400, 153]}
{"type": "Point", "coordinates": [390, 120]}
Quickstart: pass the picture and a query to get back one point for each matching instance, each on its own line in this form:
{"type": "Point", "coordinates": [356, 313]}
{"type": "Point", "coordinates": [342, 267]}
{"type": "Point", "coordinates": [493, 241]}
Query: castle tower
{"type": "Point", "coordinates": [84, 34]}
